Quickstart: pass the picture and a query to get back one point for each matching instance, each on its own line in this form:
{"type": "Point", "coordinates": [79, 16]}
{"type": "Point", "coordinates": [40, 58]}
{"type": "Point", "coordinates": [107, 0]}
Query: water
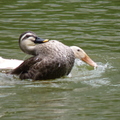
{"type": "Point", "coordinates": [90, 94]}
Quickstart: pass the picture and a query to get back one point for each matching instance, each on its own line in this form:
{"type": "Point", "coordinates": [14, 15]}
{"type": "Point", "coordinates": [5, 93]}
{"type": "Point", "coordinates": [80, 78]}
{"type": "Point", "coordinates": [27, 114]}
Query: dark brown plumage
{"type": "Point", "coordinates": [50, 60]}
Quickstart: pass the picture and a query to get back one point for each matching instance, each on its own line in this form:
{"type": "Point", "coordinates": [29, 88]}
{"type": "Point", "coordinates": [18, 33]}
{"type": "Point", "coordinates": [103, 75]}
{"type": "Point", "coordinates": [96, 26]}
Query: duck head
{"type": "Point", "coordinates": [80, 54]}
{"type": "Point", "coordinates": [28, 41]}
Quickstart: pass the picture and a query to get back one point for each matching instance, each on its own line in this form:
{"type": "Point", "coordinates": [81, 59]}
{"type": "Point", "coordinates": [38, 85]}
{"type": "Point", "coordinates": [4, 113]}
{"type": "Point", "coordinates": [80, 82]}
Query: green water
{"type": "Point", "coordinates": [90, 94]}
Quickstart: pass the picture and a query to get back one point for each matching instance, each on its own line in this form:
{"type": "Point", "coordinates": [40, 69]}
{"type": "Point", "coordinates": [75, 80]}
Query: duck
{"type": "Point", "coordinates": [50, 59]}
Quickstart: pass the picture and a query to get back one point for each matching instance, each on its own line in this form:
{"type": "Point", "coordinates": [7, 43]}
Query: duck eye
{"type": "Point", "coordinates": [27, 36]}
{"type": "Point", "coordinates": [78, 50]}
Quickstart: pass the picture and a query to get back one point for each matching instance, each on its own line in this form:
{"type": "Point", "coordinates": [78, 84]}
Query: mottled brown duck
{"type": "Point", "coordinates": [51, 59]}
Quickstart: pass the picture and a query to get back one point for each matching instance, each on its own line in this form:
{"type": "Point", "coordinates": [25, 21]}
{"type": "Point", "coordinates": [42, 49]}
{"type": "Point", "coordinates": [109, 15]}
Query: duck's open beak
{"type": "Point", "coordinates": [89, 61]}
{"type": "Point", "coordinates": [40, 40]}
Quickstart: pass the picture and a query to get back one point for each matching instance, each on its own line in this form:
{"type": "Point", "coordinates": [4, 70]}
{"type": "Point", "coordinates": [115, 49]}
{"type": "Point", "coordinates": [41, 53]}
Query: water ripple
{"type": "Point", "coordinates": [91, 25]}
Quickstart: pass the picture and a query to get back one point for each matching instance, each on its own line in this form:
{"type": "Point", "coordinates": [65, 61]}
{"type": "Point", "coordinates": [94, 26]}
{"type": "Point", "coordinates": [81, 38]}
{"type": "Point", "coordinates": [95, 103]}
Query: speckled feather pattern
{"type": "Point", "coordinates": [53, 60]}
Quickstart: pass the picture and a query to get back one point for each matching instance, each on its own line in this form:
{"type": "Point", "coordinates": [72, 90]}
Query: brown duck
{"type": "Point", "coordinates": [51, 59]}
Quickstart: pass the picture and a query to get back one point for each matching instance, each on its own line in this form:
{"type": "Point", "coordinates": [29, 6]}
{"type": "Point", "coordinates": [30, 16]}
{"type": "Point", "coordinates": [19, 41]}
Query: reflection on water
{"type": "Point", "coordinates": [89, 93]}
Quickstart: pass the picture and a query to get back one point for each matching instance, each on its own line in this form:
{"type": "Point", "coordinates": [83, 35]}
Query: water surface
{"type": "Point", "coordinates": [90, 94]}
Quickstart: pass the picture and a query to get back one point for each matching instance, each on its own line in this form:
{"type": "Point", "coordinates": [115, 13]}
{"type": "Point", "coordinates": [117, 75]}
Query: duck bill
{"type": "Point", "coordinates": [40, 40]}
{"type": "Point", "coordinates": [89, 61]}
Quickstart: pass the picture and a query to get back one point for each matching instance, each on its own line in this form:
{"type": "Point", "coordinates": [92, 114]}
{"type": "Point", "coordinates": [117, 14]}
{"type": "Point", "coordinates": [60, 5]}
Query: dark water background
{"type": "Point", "coordinates": [90, 94]}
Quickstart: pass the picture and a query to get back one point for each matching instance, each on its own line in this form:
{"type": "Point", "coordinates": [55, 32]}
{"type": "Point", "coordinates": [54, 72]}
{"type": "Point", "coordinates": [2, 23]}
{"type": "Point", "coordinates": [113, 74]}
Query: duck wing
{"type": "Point", "coordinates": [26, 65]}
{"type": "Point", "coordinates": [42, 69]}
{"type": "Point", "coordinates": [47, 69]}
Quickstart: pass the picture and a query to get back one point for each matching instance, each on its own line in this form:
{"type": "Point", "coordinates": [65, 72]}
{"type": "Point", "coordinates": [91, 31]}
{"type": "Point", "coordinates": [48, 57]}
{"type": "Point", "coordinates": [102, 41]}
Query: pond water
{"type": "Point", "coordinates": [90, 94]}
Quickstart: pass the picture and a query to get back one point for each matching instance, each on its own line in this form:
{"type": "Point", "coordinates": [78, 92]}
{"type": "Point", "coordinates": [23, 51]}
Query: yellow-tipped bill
{"type": "Point", "coordinates": [46, 40]}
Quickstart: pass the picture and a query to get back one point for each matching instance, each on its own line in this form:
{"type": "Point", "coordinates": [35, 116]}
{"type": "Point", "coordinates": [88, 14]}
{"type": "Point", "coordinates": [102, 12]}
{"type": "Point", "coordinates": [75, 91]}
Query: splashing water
{"type": "Point", "coordinates": [91, 76]}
